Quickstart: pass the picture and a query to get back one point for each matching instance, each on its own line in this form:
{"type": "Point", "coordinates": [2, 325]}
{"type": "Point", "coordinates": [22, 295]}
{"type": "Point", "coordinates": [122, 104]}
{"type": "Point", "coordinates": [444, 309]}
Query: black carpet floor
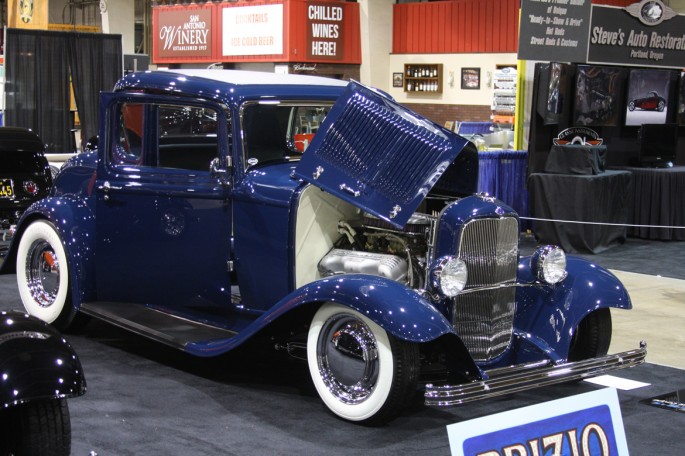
{"type": "Point", "coordinates": [145, 398]}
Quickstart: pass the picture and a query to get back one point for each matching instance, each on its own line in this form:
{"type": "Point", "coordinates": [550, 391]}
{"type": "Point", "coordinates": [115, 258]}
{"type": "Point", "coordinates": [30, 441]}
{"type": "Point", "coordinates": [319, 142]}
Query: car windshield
{"type": "Point", "coordinates": [278, 131]}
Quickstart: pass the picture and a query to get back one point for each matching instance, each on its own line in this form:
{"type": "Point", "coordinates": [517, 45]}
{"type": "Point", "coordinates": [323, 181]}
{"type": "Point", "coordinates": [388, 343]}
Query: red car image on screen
{"type": "Point", "coordinates": [652, 102]}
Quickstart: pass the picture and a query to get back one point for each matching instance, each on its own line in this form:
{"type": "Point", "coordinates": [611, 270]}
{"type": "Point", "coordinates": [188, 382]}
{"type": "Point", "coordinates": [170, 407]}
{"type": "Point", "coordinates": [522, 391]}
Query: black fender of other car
{"type": "Point", "coordinates": [36, 362]}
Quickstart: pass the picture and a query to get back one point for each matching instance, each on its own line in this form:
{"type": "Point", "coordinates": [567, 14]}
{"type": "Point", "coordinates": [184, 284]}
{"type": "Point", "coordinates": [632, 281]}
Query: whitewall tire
{"type": "Point", "coordinates": [361, 372]}
{"type": "Point", "coordinates": [43, 275]}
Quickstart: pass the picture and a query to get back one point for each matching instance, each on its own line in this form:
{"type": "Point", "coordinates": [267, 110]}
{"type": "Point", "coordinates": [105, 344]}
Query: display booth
{"type": "Point", "coordinates": [617, 164]}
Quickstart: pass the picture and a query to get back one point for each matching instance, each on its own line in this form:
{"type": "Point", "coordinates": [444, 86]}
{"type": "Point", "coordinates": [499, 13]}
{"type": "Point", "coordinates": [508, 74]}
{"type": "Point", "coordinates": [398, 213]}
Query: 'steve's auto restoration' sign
{"type": "Point", "coordinates": [647, 33]}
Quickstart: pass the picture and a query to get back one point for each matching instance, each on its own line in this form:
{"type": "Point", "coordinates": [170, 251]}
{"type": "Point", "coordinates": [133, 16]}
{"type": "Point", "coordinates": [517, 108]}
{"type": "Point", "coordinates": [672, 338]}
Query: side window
{"type": "Point", "coordinates": [127, 148]}
{"type": "Point", "coordinates": [187, 137]}
{"type": "Point", "coordinates": [306, 121]}
{"type": "Point", "coordinates": [277, 132]}
{"type": "Point", "coordinates": [176, 136]}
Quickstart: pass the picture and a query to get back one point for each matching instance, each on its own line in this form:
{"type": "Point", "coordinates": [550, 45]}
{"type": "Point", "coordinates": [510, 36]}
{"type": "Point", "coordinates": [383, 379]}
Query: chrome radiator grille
{"type": "Point", "coordinates": [484, 319]}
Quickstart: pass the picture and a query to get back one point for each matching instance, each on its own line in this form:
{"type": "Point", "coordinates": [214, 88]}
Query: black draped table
{"type": "Point", "coordinates": [594, 198]}
{"type": "Point", "coordinates": [657, 198]}
{"type": "Point", "coordinates": [576, 159]}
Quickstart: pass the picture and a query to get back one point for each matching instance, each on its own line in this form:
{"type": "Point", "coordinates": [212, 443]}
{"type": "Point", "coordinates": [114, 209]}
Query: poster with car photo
{"type": "Point", "coordinates": [597, 96]}
{"type": "Point", "coordinates": [647, 101]}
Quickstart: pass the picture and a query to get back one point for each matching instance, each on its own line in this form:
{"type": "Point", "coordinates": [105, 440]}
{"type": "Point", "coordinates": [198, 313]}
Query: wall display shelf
{"type": "Point", "coordinates": [504, 100]}
{"type": "Point", "coordinates": [423, 77]}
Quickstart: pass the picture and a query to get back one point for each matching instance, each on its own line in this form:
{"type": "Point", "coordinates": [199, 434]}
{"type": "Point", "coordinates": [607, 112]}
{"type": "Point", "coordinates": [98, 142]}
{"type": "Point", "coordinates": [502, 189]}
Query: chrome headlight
{"type": "Point", "coordinates": [549, 264]}
{"type": "Point", "coordinates": [449, 275]}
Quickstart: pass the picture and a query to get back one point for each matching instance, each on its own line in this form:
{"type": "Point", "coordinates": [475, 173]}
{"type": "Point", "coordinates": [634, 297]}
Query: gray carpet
{"type": "Point", "coordinates": [145, 398]}
{"type": "Point", "coordinates": [664, 258]}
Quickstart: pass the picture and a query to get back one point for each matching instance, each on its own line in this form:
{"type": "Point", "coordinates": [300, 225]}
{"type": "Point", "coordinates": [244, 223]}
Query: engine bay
{"type": "Point", "coordinates": [371, 246]}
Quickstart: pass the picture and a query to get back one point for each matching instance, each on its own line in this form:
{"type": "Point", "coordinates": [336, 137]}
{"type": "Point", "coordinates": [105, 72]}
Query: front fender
{"type": "Point", "coordinates": [36, 362]}
{"type": "Point", "coordinates": [75, 223]}
{"type": "Point", "coordinates": [547, 316]}
{"type": "Point", "coordinates": [399, 310]}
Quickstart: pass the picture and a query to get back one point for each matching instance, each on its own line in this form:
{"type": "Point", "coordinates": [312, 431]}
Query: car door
{"type": "Point", "coordinates": [163, 219]}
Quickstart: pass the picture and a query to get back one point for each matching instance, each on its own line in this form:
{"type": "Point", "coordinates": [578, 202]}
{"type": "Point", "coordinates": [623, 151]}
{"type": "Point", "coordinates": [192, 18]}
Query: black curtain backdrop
{"type": "Point", "coordinates": [37, 87]}
{"type": "Point", "coordinates": [96, 65]}
{"type": "Point", "coordinates": [37, 70]}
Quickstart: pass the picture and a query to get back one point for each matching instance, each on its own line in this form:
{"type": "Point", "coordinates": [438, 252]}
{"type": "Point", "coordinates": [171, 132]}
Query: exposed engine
{"type": "Point", "coordinates": [372, 246]}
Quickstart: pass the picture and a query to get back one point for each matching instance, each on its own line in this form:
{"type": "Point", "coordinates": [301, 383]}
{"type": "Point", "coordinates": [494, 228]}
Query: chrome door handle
{"type": "Point", "coordinates": [106, 187]}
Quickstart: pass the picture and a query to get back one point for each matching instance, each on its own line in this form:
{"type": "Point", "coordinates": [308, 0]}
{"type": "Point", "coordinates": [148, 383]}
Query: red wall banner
{"type": "Point", "coordinates": [298, 31]}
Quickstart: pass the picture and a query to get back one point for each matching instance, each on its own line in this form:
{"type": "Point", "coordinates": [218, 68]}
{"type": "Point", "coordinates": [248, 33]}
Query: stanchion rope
{"type": "Point", "coordinates": [602, 223]}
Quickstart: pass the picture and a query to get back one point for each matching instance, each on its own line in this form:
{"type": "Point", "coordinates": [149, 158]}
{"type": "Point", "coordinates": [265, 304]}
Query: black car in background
{"type": "Point", "coordinates": [39, 371]}
{"type": "Point", "coordinates": [25, 175]}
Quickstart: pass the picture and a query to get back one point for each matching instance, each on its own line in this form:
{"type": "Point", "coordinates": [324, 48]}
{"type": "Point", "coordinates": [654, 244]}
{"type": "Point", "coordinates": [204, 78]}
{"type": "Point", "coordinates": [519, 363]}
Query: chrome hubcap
{"type": "Point", "coordinates": [348, 358]}
{"type": "Point", "coordinates": [42, 273]}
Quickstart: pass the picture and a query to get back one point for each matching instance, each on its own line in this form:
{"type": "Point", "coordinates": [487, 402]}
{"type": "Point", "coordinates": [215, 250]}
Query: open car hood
{"type": "Point", "coordinates": [383, 158]}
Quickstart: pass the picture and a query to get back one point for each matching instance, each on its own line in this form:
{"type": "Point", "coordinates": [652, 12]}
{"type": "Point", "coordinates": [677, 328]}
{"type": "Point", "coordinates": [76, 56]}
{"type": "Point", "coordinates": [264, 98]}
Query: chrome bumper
{"type": "Point", "coordinates": [524, 377]}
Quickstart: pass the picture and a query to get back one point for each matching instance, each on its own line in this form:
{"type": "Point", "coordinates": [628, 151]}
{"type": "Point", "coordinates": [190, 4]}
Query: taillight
{"type": "Point", "coordinates": [30, 187]}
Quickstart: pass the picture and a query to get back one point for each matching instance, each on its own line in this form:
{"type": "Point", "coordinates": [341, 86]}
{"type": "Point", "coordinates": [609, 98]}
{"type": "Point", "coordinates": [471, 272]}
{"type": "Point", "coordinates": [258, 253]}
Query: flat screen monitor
{"type": "Point", "coordinates": [658, 144]}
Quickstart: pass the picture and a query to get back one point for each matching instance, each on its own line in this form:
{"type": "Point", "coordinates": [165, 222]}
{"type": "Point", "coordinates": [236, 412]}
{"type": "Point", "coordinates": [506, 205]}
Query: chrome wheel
{"type": "Point", "coordinates": [42, 273]}
{"type": "Point", "coordinates": [347, 358]}
{"type": "Point", "coordinates": [361, 372]}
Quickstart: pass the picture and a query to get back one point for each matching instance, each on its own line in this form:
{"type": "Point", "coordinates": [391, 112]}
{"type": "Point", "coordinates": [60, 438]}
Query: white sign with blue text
{"type": "Point", "coordinates": [586, 424]}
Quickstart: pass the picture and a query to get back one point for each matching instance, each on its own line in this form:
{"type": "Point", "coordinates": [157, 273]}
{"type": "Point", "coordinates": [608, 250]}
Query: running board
{"type": "Point", "coordinates": [160, 326]}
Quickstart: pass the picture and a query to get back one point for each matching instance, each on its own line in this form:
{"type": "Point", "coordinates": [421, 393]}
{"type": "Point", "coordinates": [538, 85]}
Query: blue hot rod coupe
{"type": "Point", "coordinates": [224, 204]}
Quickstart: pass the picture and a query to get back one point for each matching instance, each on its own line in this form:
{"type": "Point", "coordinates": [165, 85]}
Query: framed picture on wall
{"type": "Point", "coordinates": [648, 97]}
{"type": "Point", "coordinates": [397, 79]}
{"type": "Point", "coordinates": [470, 78]}
{"type": "Point", "coordinates": [598, 96]}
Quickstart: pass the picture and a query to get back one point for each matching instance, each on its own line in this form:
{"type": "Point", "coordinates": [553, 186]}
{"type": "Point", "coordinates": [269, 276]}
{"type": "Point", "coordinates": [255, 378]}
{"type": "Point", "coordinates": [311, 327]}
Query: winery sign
{"type": "Point", "coordinates": [184, 33]}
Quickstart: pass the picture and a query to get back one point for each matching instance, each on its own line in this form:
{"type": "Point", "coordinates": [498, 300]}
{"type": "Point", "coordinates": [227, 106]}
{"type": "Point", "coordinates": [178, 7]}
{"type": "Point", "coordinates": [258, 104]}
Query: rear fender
{"type": "Point", "coordinates": [552, 313]}
{"type": "Point", "coordinates": [75, 223]}
{"type": "Point", "coordinates": [36, 362]}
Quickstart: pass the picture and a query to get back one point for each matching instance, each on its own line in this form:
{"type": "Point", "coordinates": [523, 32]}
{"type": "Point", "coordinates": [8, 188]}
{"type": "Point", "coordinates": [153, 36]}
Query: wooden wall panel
{"type": "Point", "coordinates": [456, 26]}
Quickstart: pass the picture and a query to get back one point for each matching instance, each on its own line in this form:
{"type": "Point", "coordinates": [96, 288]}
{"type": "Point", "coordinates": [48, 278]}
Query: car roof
{"type": "Point", "coordinates": [20, 139]}
{"type": "Point", "coordinates": [239, 77]}
{"type": "Point", "coordinates": [232, 84]}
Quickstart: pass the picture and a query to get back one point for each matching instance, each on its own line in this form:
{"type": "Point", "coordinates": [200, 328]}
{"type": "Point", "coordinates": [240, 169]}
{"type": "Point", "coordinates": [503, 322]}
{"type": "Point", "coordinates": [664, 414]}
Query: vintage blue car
{"type": "Point", "coordinates": [220, 205]}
